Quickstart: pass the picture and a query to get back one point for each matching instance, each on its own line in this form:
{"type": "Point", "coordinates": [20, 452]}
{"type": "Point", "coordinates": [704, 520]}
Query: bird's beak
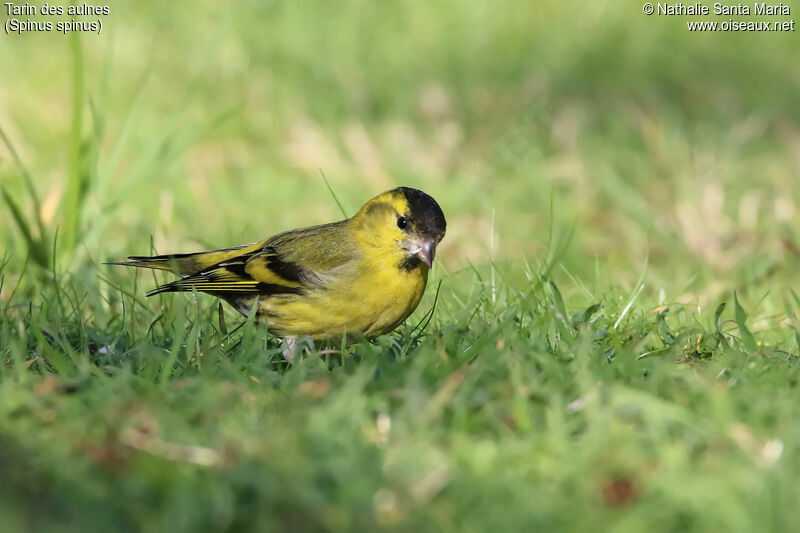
{"type": "Point", "coordinates": [422, 249]}
{"type": "Point", "coordinates": [426, 251]}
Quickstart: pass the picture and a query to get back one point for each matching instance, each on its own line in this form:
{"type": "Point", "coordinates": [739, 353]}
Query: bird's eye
{"type": "Point", "coordinates": [402, 222]}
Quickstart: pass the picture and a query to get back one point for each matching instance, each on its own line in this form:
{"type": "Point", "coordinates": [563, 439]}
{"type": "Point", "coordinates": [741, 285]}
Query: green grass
{"type": "Point", "coordinates": [616, 336]}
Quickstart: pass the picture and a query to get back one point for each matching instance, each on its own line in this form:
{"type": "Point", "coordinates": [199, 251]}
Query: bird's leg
{"type": "Point", "coordinates": [289, 348]}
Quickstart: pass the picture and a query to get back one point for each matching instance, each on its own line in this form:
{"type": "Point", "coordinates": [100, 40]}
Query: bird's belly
{"type": "Point", "coordinates": [377, 303]}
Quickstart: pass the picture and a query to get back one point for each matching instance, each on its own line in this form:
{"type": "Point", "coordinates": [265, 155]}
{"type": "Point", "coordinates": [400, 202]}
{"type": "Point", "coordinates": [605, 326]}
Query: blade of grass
{"type": "Point", "coordinates": [335, 198]}
{"type": "Point", "coordinates": [741, 321]}
{"type": "Point", "coordinates": [36, 247]}
{"type": "Point", "coordinates": [77, 183]}
{"type": "Point", "coordinates": [717, 327]}
{"type": "Point", "coordinates": [26, 176]}
{"type": "Point", "coordinates": [20, 277]}
{"type": "Point", "coordinates": [223, 328]}
{"type": "Point", "coordinates": [639, 287]}
{"type": "Point", "coordinates": [559, 302]}
{"type": "Point", "coordinates": [427, 317]}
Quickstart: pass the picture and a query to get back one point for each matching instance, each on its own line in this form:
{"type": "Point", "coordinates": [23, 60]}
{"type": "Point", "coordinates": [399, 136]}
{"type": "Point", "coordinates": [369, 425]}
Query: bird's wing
{"type": "Point", "coordinates": [289, 263]}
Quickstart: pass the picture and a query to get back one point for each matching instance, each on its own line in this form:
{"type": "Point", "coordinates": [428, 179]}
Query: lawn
{"type": "Point", "coordinates": [610, 335]}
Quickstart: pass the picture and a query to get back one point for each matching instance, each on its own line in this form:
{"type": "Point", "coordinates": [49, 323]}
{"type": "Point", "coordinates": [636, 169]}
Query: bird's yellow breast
{"type": "Point", "coordinates": [372, 304]}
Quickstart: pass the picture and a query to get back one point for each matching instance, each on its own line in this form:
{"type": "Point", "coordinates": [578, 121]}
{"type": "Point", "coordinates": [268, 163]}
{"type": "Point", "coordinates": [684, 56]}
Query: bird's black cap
{"type": "Point", "coordinates": [425, 213]}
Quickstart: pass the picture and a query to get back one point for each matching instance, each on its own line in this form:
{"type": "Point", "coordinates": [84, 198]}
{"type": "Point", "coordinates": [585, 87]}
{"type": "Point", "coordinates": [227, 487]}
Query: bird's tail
{"type": "Point", "coordinates": [187, 264]}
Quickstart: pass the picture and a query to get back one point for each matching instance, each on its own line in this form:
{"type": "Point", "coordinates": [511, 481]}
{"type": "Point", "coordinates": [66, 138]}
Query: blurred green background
{"type": "Point", "coordinates": [647, 150]}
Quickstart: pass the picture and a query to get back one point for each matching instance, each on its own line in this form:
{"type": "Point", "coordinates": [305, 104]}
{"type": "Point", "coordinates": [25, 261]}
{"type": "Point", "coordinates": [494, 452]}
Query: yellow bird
{"type": "Point", "coordinates": [363, 275]}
